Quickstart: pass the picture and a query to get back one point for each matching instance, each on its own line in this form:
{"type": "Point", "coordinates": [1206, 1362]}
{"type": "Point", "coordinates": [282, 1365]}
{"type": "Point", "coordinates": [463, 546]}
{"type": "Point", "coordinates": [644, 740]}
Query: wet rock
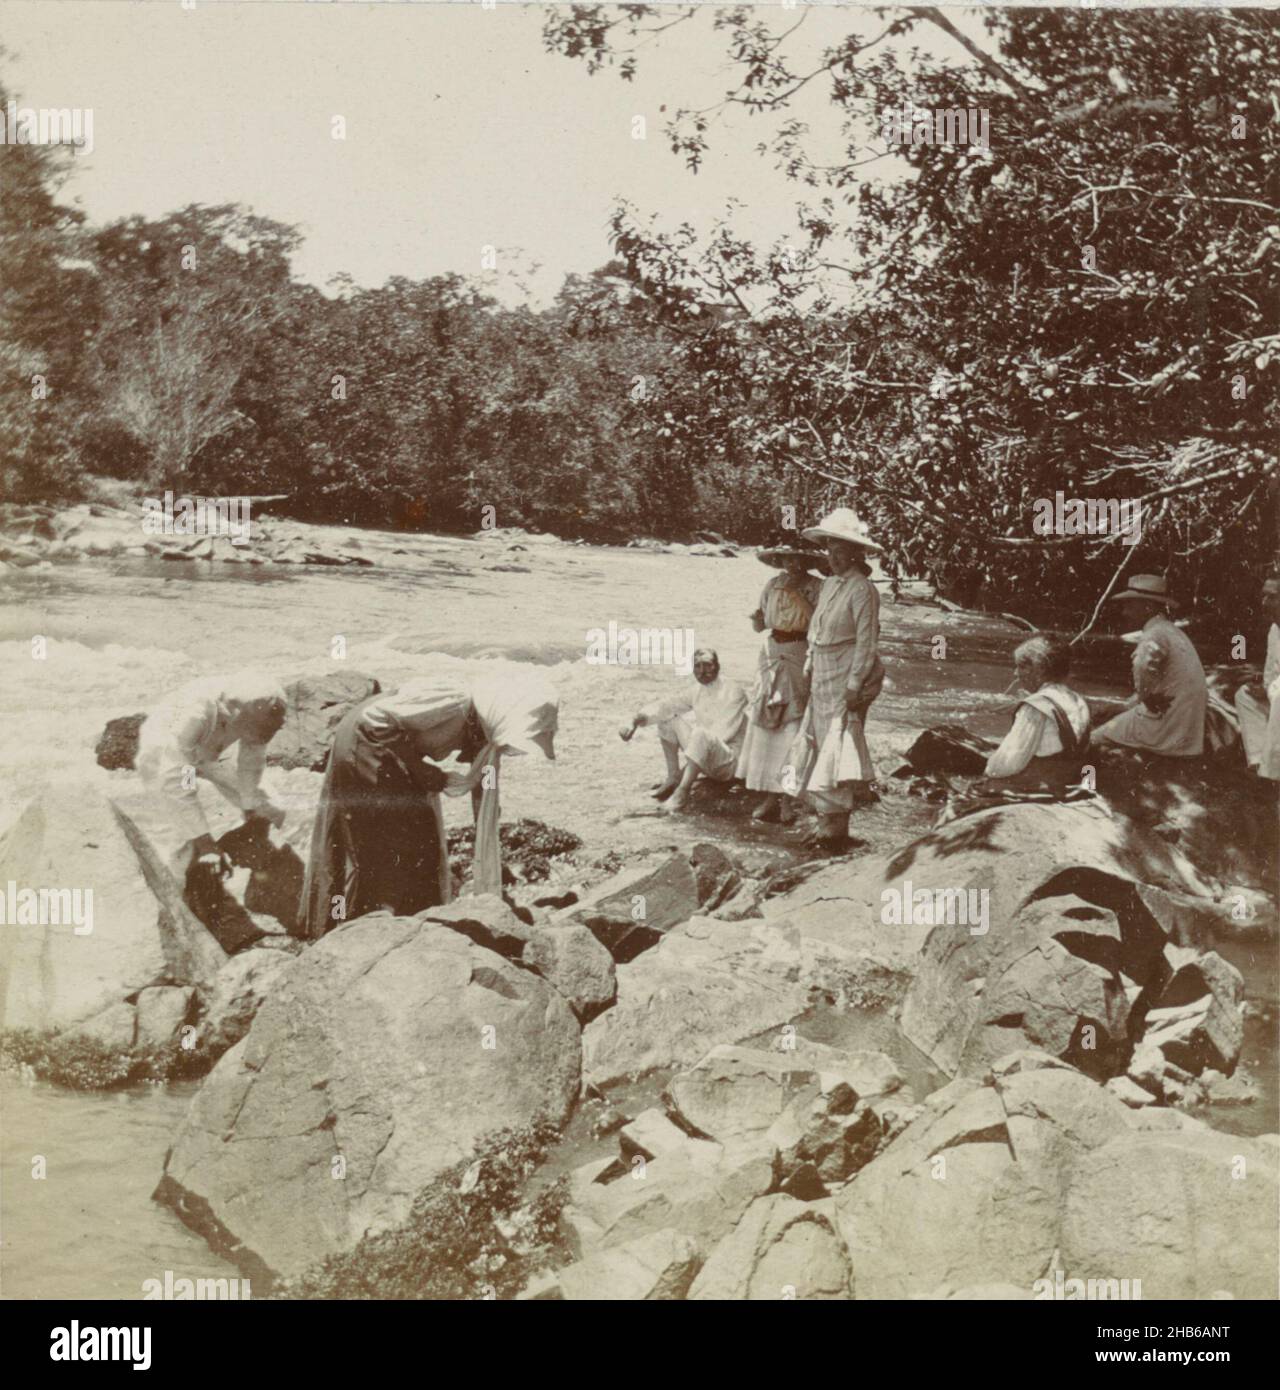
{"type": "Point", "coordinates": [949, 748]}
{"type": "Point", "coordinates": [780, 1249]}
{"type": "Point", "coordinates": [162, 1011]}
{"type": "Point", "coordinates": [316, 706]}
{"type": "Point", "coordinates": [383, 1054]}
{"type": "Point", "coordinates": [1189, 1214]}
{"type": "Point", "coordinates": [568, 956]}
{"type": "Point", "coordinates": [631, 912]}
{"type": "Point", "coordinates": [656, 1267]}
{"type": "Point", "coordinates": [716, 875]}
{"type": "Point", "coordinates": [51, 977]}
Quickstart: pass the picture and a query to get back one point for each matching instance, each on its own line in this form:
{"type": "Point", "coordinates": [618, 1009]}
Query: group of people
{"type": "Point", "coordinates": [798, 737]}
{"type": "Point", "coordinates": [378, 841]}
{"type": "Point", "coordinates": [801, 731]}
{"type": "Point", "coordinates": [800, 734]}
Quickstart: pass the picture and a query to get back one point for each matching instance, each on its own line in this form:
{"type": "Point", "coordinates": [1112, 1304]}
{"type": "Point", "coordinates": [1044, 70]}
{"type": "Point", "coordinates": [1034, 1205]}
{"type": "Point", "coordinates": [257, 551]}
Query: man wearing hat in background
{"type": "Point", "coordinates": [1258, 705]}
{"type": "Point", "coordinates": [781, 693]}
{"type": "Point", "coordinates": [1167, 710]}
{"type": "Point", "coordinates": [831, 760]}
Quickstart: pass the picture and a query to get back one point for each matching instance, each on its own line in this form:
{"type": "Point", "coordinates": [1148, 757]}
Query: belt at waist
{"type": "Point", "coordinates": [779, 635]}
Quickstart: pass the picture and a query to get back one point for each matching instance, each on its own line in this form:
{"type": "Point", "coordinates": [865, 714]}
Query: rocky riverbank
{"type": "Point", "coordinates": [747, 1076]}
{"type": "Point", "coordinates": [1083, 1036]}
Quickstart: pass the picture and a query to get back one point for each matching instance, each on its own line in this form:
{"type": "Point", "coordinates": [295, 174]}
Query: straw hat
{"type": "Point", "coordinates": [778, 555]}
{"type": "Point", "coordinates": [1151, 587]}
{"type": "Point", "coordinates": [844, 524]}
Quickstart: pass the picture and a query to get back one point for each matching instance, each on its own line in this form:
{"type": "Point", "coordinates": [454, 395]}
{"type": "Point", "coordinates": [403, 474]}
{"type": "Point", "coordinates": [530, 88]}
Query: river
{"type": "Point", "coordinates": [120, 632]}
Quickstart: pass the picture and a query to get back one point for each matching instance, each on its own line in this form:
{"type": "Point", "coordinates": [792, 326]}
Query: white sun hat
{"type": "Point", "coordinates": [843, 524]}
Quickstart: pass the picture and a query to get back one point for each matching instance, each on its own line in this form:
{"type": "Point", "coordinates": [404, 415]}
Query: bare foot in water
{"type": "Point", "coordinates": [767, 812]}
{"type": "Point", "coordinates": [677, 802]}
{"type": "Point", "coordinates": [662, 790]}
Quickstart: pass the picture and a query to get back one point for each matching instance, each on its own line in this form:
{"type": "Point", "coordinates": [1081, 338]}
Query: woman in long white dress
{"type": "Point", "coordinates": [781, 693]}
{"type": "Point", "coordinates": [832, 761]}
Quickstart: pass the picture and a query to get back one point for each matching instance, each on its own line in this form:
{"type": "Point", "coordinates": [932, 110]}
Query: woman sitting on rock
{"type": "Point", "coordinates": [1041, 757]}
{"type": "Point", "coordinates": [379, 839]}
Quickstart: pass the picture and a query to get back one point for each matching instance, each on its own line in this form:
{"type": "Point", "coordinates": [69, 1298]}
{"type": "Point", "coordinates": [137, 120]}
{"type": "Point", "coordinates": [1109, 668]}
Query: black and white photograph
{"type": "Point", "coordinates": [641, 662]}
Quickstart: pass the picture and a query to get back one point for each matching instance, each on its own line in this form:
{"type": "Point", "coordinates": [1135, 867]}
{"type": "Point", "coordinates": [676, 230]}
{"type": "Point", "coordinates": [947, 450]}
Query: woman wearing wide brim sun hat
{"type": "Point", "coordinates": [830, 760]}
{"type": "Point", "coordinates": [781, 691]}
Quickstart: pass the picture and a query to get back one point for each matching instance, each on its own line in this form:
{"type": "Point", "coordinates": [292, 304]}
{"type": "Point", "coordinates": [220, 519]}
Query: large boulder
{"type": "Point", "coordinates": [711, 982]}
{"type": "Point", "coordinates": [384, 1053]}
{"type": "Point", "coordinates": [565, 953]}
{"type": "Point", "coordinates": [1080, 907]}
{"type": "Point", "coordinates": [1192, 1215]}
{"type": "Point", "coordinates": [1051, 978]}
{"type": "Point", "coordinates": [967, 1216]}
{"type": "Point", "coordinates": [50, 977]}
{"type": "Point", "coordinates": [632, 911]}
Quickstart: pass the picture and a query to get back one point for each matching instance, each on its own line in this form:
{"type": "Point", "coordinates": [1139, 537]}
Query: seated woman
{"type": "Point", "coordinates": [379, 841]}
{"type": "Point", "coordinates": [1050, 730]}
{"type": "Point", "coordinates": [1041, 756]}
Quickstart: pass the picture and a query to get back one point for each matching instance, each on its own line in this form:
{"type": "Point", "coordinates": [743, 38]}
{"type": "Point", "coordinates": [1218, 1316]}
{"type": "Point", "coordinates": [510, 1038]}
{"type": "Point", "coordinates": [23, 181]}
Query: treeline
{"type": "Point", "coordinates": [181, 353]}
{"type": "Point", "coordinates": [1085, 305]}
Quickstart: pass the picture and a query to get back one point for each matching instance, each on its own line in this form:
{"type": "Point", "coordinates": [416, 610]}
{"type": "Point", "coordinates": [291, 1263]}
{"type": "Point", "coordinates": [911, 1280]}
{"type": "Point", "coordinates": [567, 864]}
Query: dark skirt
{"type": "Point", "coordinates": [378, 840]}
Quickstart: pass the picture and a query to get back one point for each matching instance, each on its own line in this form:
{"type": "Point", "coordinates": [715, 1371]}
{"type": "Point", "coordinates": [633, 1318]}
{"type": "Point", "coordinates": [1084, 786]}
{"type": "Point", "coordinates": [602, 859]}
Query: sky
{"type": "Point", "coordinates": [461, 131]}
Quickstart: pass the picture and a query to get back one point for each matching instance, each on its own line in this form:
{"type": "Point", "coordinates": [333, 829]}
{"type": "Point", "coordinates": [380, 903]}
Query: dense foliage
{"type": "Point", "coordinates": [1085, 305]}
